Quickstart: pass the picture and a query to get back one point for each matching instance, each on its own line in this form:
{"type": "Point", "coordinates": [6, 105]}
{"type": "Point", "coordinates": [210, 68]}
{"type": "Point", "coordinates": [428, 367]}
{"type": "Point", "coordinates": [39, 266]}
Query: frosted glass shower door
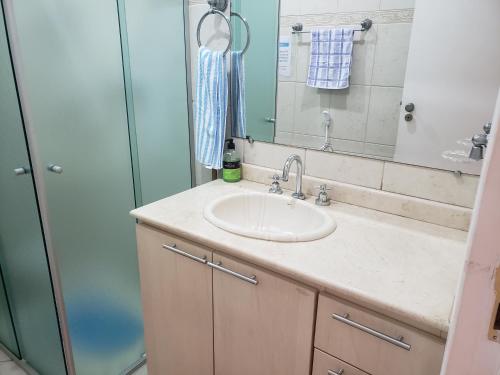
{"type": "Point", "coordinates": [22, 251]}
{"type": "Point", "coordinates": [70, 66]}
{"type": "Point", "coordinates": [155, 72]}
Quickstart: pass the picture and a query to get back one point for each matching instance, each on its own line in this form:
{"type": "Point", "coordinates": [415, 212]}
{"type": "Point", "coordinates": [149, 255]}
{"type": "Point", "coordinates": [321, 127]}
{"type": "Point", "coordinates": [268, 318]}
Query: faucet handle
{"type": "Point", "coordinates": [323, 188]}
{"type": "Point", "coordinates": [275, 185]}
{"type": "Point", "coordinates": [323, 198]}
{"type": "Point", "coordinates": [487, 128]}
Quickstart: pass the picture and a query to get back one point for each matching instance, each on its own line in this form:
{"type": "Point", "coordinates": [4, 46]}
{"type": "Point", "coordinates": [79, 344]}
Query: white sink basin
{"type": "Point", "coordinates": [270, 217]}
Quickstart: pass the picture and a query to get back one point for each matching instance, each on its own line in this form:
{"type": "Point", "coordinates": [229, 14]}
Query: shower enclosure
{"type": "Point", "coordinates": [95, 121]}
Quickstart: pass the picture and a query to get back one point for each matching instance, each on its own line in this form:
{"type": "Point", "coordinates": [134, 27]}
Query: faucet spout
{"type": "Point", "coordinates": [286, 172]}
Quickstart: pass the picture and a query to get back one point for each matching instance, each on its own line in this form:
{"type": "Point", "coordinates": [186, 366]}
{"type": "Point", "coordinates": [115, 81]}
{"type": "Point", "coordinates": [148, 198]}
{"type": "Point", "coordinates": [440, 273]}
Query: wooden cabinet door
{"type": "Point", "coordinates": [264, 328]}
{"type": "Point", "coordinates": [177, 302]}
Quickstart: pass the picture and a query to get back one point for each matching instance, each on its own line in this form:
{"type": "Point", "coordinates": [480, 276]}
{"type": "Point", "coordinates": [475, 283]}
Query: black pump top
{"type": "Point", "coordinates": [230, 144]}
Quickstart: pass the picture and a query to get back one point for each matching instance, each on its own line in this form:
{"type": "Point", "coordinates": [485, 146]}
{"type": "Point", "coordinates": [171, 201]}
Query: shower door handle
{"type": "Point", "coordinates": [55, 168]}
{"type": "Point", "coordinates": [21, 171]}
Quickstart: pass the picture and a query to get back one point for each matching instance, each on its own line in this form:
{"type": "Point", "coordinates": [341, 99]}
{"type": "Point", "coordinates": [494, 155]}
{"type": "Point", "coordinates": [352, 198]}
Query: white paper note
{"type": "Point", "coordinates": [285, 57]}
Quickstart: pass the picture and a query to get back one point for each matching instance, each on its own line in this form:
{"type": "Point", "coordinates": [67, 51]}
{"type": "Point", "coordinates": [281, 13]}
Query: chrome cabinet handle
{"type": "Point", "coordinates": [270, 120]}
{"type": "Point", "coordinates": [21, 171]}
{"type": "Point", "coordinates": [340, 372]}
{"type": "Point", "coordinates": [173, 248]}
{"type": "Point", "coordinates": [55, 168]}
{"type": "Point", "coordinates": [218, 266]}
{"type": "Point", "coordinates": [397, 342]}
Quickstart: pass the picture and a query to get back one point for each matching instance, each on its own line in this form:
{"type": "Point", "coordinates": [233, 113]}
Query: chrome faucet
{"type": "Point", "coordinates": [286, 171]}
{"type": "Point", "coordinates": [479, 143]}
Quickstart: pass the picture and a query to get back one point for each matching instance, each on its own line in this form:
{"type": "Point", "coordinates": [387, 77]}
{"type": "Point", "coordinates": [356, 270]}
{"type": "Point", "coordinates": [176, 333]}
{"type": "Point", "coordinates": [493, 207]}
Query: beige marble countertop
{"type": "Point", "coordinates": [402, 268]}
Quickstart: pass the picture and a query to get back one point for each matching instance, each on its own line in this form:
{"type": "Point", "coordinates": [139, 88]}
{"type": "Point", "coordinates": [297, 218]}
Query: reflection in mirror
{"type": "Point", "coordinates": [260, 61]}
{"type": "Point", "coordinates": [388, 92]}
{"type": "Point", "coordinates": [361, 118]}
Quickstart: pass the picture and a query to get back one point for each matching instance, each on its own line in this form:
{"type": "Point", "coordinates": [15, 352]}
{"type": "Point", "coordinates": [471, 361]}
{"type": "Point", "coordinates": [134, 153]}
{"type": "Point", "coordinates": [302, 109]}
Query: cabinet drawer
{"type": "Point", "coordinates": [325, 364]}
{"type": "Point", "coordinates": [372, 342]}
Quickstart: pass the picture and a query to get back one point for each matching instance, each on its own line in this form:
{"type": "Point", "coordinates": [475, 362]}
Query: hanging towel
{"type": "Point", "coordinates": [238, 97]}
{"type": "Point", "coordinates": [331, 58]}
{"type": "Point", "coordinates": [211, 107]}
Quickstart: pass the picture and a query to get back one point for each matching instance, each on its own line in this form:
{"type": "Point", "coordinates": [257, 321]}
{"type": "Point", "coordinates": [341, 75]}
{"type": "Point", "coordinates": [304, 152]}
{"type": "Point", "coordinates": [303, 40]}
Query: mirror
{"type": "Point", "coordinates": [398, 105]}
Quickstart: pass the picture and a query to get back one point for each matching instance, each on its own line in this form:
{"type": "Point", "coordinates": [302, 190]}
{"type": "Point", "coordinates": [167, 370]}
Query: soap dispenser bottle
{"type": "Point", "coordinates": [231, 163]}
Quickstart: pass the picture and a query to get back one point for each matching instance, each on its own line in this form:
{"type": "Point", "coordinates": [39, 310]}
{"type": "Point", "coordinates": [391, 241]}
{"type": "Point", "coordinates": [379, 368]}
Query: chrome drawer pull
{"type": "Point", "coordinates": [174, 249]}
{"type": "Point", "coordinates": [340, 372]}
{"type": "Point", "coordinates": [218, 266]}
{"type": "Point", "coordinates": [398, 342]}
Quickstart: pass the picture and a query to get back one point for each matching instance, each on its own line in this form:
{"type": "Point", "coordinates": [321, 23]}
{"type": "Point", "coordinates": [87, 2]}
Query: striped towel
{"type": "Point", "coordinates": [211, 108]}
{"type": "Point", "coordinates": [238, 104]}
{"type": "Point", "coordinates": [331, 58]}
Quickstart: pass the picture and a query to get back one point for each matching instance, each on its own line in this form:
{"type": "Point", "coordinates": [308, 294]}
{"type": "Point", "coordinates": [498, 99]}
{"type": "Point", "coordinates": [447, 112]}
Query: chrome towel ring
{"type": "Point", "coordinates": [247, 26]}
{"type": "Point", "coordinates": [228, 21]}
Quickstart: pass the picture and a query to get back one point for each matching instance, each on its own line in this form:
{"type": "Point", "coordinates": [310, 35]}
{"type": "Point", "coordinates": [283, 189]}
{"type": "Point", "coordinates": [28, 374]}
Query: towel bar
{"type": "Point", "coordinates": [365, 26]}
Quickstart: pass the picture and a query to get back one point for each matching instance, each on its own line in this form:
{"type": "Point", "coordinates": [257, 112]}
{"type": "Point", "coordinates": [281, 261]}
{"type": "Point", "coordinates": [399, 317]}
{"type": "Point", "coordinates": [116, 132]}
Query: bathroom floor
{"type": "Point", "coordinates": [9, 367]}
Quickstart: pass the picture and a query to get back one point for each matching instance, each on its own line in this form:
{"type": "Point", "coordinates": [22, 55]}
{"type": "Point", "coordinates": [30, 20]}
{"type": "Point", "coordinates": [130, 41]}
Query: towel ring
{"type": "Point", "coordinates": [247, 26]}
{"type": "Point", "coordinates": [228, 21]}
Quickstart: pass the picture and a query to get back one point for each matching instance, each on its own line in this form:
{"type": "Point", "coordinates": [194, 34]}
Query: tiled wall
{"type": "Point", "coordinates": [419, 182]}
{"type": "Point", "coordinates": [365, 116]}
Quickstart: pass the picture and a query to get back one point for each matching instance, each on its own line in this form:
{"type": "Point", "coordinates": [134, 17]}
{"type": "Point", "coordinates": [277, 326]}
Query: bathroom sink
{"type": "Point", "coordinates": [269, 217]}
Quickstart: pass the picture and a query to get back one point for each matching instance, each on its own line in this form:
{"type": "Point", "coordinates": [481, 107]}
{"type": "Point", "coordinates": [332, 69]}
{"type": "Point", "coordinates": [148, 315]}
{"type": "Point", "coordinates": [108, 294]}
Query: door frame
{"type": "Point", "coordinates": [469, 350]}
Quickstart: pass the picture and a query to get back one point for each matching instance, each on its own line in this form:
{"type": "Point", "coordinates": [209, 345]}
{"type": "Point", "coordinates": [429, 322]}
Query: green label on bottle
{"type": "Point", "coordinates": [231, 175]}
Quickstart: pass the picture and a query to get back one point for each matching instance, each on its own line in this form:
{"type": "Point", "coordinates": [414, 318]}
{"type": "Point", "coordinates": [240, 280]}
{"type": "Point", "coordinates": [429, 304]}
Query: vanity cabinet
{"type": "Point", "coordinates": [263, 323]}
{"type": "Point", "coordinates": [177, 303]}
{"type": "Point", "coordinates": [210, 314]}
{"type": "Point", "coordinates": [202, 314]}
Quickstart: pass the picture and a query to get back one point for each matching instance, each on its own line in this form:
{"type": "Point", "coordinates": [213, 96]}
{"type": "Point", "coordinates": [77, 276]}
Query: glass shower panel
{"type": "Point", "coordinates": [7, 333]}
{"type": "Point", "coordinates": [154, 50]}
{"type": "Point", "coordinates": [260, 61]}
{"type": "Point", "coordinates": [22, 250]}
{"type": "Point", "coordinates": [70, 66]}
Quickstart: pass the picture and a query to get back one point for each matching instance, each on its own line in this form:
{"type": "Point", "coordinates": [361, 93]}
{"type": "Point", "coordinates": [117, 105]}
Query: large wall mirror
{"type": "Point", "coordinates": [408, 63]}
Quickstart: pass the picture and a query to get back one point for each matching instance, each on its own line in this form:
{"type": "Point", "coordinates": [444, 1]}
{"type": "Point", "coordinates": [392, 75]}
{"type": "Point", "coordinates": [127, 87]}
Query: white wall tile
{"type": "Point", "coordinates": [349, 109]}
{"type": "Point", "coordinates": [270, 155]}
{"type": "Point", "coordinates": [383, 115]}
{"type": "Point", "coordinates": [391, 54]}
{"type": "Point", "coordinates": [358, 5]}
{"type": "Point", "coordinates": [318, 6]}
{"type": "Point", "coordinates": [285, 107]}
{"type": "Point", "coordinates": [363, 55]}
{"type": "Point", "coordinates": [438, 185]}
{"type": "Point", "coordinates": [290, 7]}
{"type": "Point", "coordinates": [284, 138]}
{"type": "Point", "coordinates": [302, 44]}
{"type": "Point", "coordinates": [396, 4]}
{"type": "Point", "coordinates": [344, 145]}
{"type": "Point", "coordinates": [343, 168]}
{"type": "Point", "coordinates": [382, 151]}
{"type": "Point", "coordinates": [309, 103]}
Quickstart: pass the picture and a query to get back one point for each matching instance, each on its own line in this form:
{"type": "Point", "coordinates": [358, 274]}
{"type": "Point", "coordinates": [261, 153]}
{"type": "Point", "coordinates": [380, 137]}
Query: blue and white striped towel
{"type": "Point", "coordinates": [211, 107]}
{"type": "Point", "coordinates": [238, 95]}
{"type": "Point", "coordinates": [331, 58]}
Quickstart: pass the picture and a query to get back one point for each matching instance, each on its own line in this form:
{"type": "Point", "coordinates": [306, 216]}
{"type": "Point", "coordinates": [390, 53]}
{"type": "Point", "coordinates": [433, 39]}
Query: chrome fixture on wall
{"type": "Point", "coordinates": [479, 143]}
{"type": "Point", "coordinates": [215, 6]}
{"type": "Point", "coordinates": [366, 25]}
{"type": "Point", "coordinates": [220, 5]}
